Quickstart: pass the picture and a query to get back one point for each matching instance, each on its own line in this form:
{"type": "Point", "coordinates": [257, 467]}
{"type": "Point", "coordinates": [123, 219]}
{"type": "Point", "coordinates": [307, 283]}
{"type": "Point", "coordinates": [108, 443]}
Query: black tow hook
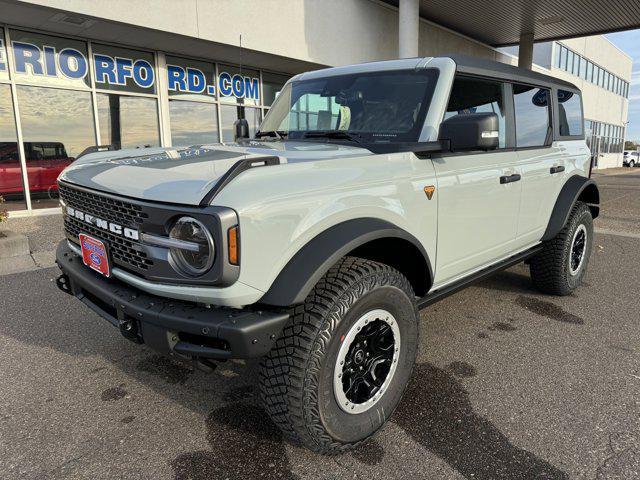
{"type": "Point", "coordinates": [129, 330]}
{"type": "Point", "coordinates": [64, 284]}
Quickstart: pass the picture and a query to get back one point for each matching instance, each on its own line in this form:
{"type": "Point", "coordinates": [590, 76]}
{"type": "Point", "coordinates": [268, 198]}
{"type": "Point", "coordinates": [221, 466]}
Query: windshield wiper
{"type": "Point", "coordinates": [280, 134]}
{"type": "Point", "coordinates": [338, 134]}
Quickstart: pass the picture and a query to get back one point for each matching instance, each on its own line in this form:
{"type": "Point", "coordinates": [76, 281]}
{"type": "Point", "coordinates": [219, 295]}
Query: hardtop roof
{"type": "Point", "coordinates": [464, 64]}
{"type": "Point", "coordinates": [495, 69]}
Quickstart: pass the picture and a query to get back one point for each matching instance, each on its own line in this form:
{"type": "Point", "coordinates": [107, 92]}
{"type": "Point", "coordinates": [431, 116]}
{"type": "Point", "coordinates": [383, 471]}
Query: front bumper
{"type": "Point", "coordinates": [170, 326]}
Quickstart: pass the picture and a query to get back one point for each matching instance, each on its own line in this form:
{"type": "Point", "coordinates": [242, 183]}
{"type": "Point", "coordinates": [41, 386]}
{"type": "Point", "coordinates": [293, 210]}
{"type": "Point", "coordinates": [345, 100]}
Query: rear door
{"type": "Point", "coordinates": [477, 214]}
{"type": "Point", "coordinates": [536, 157]}
{"type": "Point", "coordinates": [546, 158]}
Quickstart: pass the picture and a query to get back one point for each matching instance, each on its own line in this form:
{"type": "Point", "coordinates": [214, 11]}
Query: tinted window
{"type": "Point", "coordinates": [50, 61]}
{"type": "Point", "coordinates": [193, 123]}
{"type": "Point", "coordinates": [190, 79]}
{"type": "Point", "coordinates": [128, 122]}
{"type": "Point", "coordinates": [569, 113]}
{"type": "Point", "coordinates": [470, 95]}
{"type": "Point", "coordinates": [124, 69]}
{"type": "Point", "coordinates": [272, 85]}
{"type": "Point", "coordinates": [56, 126]}
{"type": "Point", "coordinates": [11, 185]}
{"type": "Point", "coordinates": [232, 88]}
{"type": "Point", "coordinates": [533, 128]}
{"type": "Point", "coordinates": [230, 113]}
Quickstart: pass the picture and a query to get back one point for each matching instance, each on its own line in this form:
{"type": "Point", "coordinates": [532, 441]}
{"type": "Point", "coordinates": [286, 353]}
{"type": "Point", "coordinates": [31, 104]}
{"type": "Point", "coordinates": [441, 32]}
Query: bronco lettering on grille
{"type": "Point", "coordinates": [103, 224]}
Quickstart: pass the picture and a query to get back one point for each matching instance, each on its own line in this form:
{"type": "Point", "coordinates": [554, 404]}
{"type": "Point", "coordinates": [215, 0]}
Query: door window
{"type": "Point", "coordinates": [569, 113]}
{"type": "Point", "coordinates": [533, 126]}
{"type": "Point", "coordinates": [472, 95]}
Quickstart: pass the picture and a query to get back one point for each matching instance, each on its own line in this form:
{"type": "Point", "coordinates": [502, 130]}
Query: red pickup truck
{"type": "Point", "coordinates": [45, 161]}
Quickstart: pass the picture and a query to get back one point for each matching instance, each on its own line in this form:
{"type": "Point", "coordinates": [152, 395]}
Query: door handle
{"type": "Point", "coordinates": [557, 169]}
{"type": "Point", "coordinates": [510, 178]}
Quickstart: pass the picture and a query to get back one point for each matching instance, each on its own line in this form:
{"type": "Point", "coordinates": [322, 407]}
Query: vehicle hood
{"type": "Point", "coordinates": [186, 175]}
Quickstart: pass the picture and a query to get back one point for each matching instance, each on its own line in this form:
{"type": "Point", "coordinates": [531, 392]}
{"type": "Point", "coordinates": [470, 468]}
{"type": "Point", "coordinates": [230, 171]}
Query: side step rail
{"type": "Point", "coordinates": [443, 292]}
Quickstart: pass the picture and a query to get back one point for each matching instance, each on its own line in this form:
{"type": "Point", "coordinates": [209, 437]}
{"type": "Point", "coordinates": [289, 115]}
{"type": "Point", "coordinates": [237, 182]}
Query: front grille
{"type": "Point", "coordinates": [116, 211]}
{"type": "Point", "coordinates": [124, 252]}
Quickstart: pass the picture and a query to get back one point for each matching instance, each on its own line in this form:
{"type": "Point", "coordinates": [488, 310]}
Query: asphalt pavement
{"type": "Point", "coordinates": [510, 384]}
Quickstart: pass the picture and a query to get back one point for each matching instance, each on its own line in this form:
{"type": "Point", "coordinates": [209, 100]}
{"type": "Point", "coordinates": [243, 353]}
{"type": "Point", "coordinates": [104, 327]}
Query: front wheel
{"type": "Point", "coordinates": [344, 359]}
{"type": "Point", "coordinates": [632, 164]}
{"type": "Point", "coordinates": [562, 264]}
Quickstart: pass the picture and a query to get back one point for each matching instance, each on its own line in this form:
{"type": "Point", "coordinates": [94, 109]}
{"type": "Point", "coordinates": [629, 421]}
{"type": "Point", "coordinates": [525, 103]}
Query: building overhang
{"type": "Point", "coordinates": [501, 22]}
{"type": "Point", "coordinates": [55, 21]}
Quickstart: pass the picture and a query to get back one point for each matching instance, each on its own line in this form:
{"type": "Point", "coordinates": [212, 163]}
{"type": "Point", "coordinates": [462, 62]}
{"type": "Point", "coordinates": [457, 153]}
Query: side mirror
{"type": "Point", "coordinates": [471, 131]}
{"type": "Point", "coordinates": [240, 129]}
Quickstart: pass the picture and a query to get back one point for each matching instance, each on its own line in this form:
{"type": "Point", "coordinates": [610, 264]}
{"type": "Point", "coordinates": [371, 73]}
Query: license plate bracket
{"type": "Point", "coordinates": [95, 254]}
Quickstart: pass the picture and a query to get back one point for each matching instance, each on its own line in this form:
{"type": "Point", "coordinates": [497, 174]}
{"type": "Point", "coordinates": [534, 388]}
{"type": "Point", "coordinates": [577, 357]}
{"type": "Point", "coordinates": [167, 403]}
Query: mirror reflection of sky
{"type": "Point", "coordinates": [7, 120]}
{"type": "Point", "coordinates": [53, 115]}
{"type": "Point", "coordinates": [629, 42]}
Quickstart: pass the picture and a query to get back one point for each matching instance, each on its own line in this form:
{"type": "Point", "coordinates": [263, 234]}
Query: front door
{"type": "Point", "coordinates": [476, 212]}
{"type": "Point", "coordinates": [477, 209]}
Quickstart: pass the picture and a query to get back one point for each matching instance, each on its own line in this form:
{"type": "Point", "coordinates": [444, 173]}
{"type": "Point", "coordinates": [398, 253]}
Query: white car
{"type": "Point", "coordinates": [631, 158]}
{"type": "Point", "coordinates": [369, 192]}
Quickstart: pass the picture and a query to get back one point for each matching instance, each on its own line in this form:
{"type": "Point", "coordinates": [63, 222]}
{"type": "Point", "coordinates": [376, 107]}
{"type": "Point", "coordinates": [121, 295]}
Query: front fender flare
{"type": "Point", "coordinates": [312, 261]}
{"type": "Point", "coordinates": [572, 190]}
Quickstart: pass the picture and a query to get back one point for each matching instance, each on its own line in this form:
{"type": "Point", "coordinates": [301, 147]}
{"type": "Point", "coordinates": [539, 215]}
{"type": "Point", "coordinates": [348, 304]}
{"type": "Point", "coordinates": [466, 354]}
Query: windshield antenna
{"type": "Point", "coordinates": [240, 54]}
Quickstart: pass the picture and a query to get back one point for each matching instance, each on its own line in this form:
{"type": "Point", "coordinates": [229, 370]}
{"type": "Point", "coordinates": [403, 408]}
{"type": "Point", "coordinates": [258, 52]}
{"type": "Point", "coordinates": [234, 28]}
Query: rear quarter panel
{"type": "Point", "coordinates": [281, 208]}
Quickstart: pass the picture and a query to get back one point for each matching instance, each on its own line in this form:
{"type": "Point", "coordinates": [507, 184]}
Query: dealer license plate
{"type": "Point", "coordinates": [94, 254]}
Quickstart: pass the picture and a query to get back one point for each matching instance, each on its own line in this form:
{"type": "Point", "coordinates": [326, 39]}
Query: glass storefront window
{"type": "Point", "coordinates": [11, 184]}
{"type": "Point", "coordinates": [231, 113]}
{"type": "Point", "coordinates": [51, 61]}
{"type": "Point", "coordinates": [193, 123]}
{"type": "Point", "coordinates": [57, 125]}
{"type": "Point", "coordinates": [190, 79]}
{"type": "Point", "coordinates": [53, 83]}
{"type": "Point", "coordinates": [4, 67]}
{"type": "Point", "coordinates": [124, 70]}
{"type": "Point", "coordinates": [128, 122]}
{"type": "Point", "coordinates": [239, 86]}
{"type": "Point", "coordinates": [272, 84]}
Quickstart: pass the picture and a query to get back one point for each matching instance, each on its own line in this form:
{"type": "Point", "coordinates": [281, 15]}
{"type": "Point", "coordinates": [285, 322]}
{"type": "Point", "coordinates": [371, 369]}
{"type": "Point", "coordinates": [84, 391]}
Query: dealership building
{"type": "Point", "coordinates": [132, 74]}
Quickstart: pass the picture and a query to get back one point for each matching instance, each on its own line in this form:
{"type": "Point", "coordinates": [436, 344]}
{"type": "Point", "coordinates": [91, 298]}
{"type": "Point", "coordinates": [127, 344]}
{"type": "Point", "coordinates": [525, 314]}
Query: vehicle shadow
{"type": "Point", "coordinates": [515, 280]}
{"type": "Point", "coordinates": [241, 441]}
{"type": "Point", "coordinates": [436, 413]}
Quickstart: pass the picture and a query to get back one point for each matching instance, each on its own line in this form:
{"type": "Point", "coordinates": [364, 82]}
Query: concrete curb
{"type": "Point", "coordinates": [27, 263]}
{"type": "Point", "coordinates": [13, 245]}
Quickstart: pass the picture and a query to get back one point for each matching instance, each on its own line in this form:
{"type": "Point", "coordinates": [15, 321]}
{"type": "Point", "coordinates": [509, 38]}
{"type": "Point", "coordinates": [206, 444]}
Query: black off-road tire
{"type": "Point", "coordinates": [550, 271]}
{"type": "Point", "coordinates": [296, 377]}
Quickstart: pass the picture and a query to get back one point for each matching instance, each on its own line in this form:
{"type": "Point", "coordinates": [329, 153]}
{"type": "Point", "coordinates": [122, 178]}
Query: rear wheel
{"type": "Point", "coordinates": [562, 264]}
{"type": "Point", "coordinates": [344, 359]}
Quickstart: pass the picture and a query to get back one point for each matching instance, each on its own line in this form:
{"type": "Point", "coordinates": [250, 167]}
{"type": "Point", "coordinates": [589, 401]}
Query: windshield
{"type": "Point", "coordinates": [366, 107]}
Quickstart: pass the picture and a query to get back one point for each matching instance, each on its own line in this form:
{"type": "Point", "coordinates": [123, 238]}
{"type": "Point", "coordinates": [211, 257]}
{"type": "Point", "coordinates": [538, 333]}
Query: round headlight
{"type": "Point", "coordinates": [194, 251]}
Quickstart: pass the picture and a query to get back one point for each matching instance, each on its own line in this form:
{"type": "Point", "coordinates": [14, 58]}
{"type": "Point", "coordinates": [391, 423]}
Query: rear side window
{"type": "Point", "coordinates": [533, 125]}
{"type": "Point", "coordinates": [569, 113]}
{"type": "Point", "coordinates": [471, 95]}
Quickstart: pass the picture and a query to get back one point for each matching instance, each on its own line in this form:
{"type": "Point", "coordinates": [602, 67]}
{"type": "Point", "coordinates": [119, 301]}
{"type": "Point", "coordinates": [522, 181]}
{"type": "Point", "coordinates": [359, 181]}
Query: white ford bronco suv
{"type": "Point", "coordinates": [369, 192]}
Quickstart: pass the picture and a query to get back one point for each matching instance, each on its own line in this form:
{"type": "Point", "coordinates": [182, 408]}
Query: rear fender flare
{"type": "Point", "coordinates": [576, 188]}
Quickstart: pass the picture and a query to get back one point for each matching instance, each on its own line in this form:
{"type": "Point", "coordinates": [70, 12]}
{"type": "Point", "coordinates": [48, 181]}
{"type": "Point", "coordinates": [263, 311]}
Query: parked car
{"type": "Point", "coordinates": [370, 191]}
{"type": "Point", "coordinates": [44, 161]}
{"type": "Point", "coordinates": [631, 158]}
